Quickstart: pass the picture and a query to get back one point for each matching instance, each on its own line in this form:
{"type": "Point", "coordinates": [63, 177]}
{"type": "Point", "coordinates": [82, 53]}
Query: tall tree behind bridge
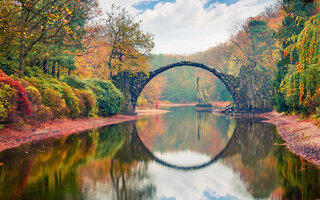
{"type": "Point", "coordinates": [129, 45]}
{"type": "Point", "coordinates": [253, 44]}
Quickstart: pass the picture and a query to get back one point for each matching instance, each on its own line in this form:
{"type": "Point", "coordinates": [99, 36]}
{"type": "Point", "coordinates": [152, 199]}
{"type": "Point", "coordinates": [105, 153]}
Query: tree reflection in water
{"type": "Point", "coordinates": [202, 123]}
{"type": "Point", "coordinates": [111, 163]}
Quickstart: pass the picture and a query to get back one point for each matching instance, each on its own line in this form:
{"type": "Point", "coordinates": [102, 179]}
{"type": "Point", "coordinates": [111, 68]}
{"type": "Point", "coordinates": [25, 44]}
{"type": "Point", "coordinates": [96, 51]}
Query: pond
{"type": "Point", "coordinates": [180, 155]}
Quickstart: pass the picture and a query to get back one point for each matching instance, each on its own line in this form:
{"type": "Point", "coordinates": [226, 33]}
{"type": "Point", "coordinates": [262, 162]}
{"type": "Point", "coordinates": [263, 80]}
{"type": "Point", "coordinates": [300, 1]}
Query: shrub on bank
{"type": "Point", "coordinates": [23, 101]}
{"type": "Point", "coordinates": [34, 95]}
{"type": "Point", "coordinates": [86, 97]}
{"type": "Point", "coordinates": [109, 98]}
{"type": "Point", "coordinates": [40, 112]}
{"type": "Point", "coordinates": [55, 102]}
{"type": "Point", "coordinates": [52, 99]}
{"type": "Point", "coordinates": [71, 100]}
{"type": "Point", "coordinates": [75, 82]}
{"type": "Point", "coordinates": [6, 99]}
{"type": "Point", "coordinates": [44, 113]}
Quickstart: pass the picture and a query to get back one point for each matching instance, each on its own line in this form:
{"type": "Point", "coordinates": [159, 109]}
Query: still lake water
{"type": "Point", "coordinates": [179, 155]}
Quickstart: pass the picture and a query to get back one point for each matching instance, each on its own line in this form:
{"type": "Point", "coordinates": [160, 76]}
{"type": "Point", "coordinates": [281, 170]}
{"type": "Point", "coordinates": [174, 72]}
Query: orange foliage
{"type": "Point", "coordinates": [153, 90]}
{"type": "Point", "coordinates": [92, 64]}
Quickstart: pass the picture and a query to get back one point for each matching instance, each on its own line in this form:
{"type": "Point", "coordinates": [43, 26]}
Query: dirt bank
{"type": "Point", "coordinates": [12, 137]}
{"type": "Point", "coordinates": [301, 136]}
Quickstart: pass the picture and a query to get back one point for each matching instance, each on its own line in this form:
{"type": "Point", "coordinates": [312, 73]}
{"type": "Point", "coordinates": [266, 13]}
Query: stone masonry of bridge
{"type": "Point", "coordinates": [251, 90]}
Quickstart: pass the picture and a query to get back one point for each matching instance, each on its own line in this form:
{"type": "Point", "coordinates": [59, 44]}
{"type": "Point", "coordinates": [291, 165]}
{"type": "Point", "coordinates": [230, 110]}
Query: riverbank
{"type": "Point", "coordinates": [11, 137]}
{"type": "Point", "coordinates": [302, 137]}
{"type": "Point", "coordinates": [151, 112]}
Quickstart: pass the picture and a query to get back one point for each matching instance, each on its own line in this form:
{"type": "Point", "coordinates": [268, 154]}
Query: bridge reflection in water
{"type": "Point", "coordinates": [114, 163]}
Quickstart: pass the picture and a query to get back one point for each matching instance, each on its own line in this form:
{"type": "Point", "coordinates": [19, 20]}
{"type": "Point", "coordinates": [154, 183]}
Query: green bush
{"type": "Point", "coordinates": [318, 112]}
{"type": "Point", "coordinates": [75, 82]}
{"type": "Point", "coordinates": [6, 95]}
{"type": "Point", "coordinates": [108, 97]}
{"type": "Point", "coordinates": [71, 100]}
{"type": "Point", "coordinates": [299, 88]}
{"type": "Point", "coordinates": [88, 99]}
{"type": "Point", "coordinates": [44, 113]}
{"type": "Point", "coordinates": [55, 102]}
{"type": "Point", "coordinates": [62, 91]}
{"type": "Point", "coordinates": [33, 95]}
{"type": "Point", "coordinates": [279, 102]}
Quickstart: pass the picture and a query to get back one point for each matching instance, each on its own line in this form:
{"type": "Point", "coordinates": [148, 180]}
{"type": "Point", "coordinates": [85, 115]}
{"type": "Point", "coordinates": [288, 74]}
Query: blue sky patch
{"type": "Point", "coordinates": [211, 196]}
{"type": "Point", "coordinates": [145, 5]}
{"type": "Point", "coordinates": [228, 2]}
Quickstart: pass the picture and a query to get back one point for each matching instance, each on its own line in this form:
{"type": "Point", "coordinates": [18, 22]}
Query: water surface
{"type": "Point", "coordinates": [179, 155]}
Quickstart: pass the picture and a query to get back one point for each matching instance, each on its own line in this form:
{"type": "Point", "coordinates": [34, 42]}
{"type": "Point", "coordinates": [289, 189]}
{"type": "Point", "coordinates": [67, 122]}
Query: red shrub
{"type": "Point", "coordinates": [23, 101]}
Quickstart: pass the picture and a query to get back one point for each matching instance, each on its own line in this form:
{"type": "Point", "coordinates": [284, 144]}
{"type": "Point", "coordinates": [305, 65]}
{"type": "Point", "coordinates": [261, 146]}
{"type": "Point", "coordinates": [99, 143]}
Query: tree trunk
{"type": "Point", "coordinates": [44, 66]}
{"type": "Point", "coordinates": [58, 73]}
{"type": "Point", "coordinates": [22, 49]}
{"type": "Point", "coordinates": [22, 44]}
{"type": "Point", "coordinates": [53, 72]}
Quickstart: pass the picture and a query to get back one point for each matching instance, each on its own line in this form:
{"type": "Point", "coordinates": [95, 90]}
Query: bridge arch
{"type": "Point", "coordinates": [251, 90]}
{"type": "Point", "coordinates": [229, 81]}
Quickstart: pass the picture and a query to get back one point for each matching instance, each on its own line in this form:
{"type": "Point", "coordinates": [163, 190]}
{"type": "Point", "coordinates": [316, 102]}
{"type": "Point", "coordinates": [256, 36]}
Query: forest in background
{"type": "Point", "coordinates": [282, 41]}
{"type": "Point", "coordinates": [57, 59]}
{"type": "Point", "coordinates": [178, 85]}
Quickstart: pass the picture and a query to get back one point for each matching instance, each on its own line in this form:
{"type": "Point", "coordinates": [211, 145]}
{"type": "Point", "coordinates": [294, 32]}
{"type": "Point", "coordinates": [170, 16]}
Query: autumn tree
{"type": "Point", "coordinates": [129, 45]}
{"type": "Point", "coordinates": [92, 61]}
{"type": "Point", "coordinates": [46, 22]}
{"type": "Point", "coordinates": [296, 13]}
{"type": "Point", "coordinates": [301, 85]}
{"type": "Point", "coordinates": [253, 43]}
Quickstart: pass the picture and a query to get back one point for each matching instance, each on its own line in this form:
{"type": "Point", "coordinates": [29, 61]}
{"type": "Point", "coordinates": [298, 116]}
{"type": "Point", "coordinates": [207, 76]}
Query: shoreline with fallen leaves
{"type": "Point", "coordinates": [11, 137]}
{"type": "Point", "coordinates": [302, 137]}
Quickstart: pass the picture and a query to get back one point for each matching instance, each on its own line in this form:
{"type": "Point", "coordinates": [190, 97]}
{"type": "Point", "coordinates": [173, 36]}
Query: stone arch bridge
{"type": "Point", "coordinates": [251, 90]}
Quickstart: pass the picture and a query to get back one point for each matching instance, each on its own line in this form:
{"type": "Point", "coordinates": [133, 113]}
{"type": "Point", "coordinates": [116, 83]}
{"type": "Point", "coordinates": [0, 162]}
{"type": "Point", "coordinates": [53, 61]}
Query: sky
{"type": "Point", "coordinates": [188, 26]}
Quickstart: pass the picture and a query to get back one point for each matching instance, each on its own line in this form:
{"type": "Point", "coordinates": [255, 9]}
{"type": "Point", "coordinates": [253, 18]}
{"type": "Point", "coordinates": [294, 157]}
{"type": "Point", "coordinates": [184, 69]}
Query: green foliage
{"type": "Point", "coordinates": [6, 95]}
{"type": "Point", "coordinates": [71, 100]}
{"type": "Point", "coordinates": [300, 85]}
{"type": "Point", "coordinates": [203, 97]}
{"type": "Point", "coordinates": [111, 139]}
{"type": "Point", "coordinates": [84, 93]}
{"type": "Point", "coordinates": [7, 66]}
{"type": "Point", "coordinates": [55, 102]}
{"type": "Point", "coordinates": [88, 100]}
{"type": "Point", "coordinates": [296, 14]}
{"type": "Point", "coordinates": [108, 97]}
{"type": "Point", "coordinates": [318, 112]}
{"type": "Point", "coordinates": [130, 45]}
{"type": "Point", "coordinates": [44, 113]}
{"type": "Point", "coordinates": [75, 82]}
{"type": "Point", "coordinates": [307, 45]}
{"type": "Point", "coordinates": [33, 95]}
{"type": "Point", "coordinates": [220, 92]}
{"type": "Point", "coordinates": [142, 100]}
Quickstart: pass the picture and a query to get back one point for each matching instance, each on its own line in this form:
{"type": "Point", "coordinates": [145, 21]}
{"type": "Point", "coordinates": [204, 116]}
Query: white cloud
{"type": "Point", "coordinates": [185, 26]}
{"type": "Point", "coordinates": [217, 179]}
